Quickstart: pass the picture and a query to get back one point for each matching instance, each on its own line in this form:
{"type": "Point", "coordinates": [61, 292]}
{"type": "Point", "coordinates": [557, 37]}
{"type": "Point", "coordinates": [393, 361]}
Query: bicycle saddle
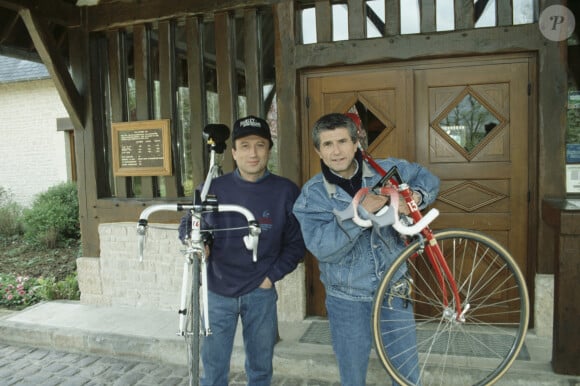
{"type": "Point", "coordinates": [218, 133]}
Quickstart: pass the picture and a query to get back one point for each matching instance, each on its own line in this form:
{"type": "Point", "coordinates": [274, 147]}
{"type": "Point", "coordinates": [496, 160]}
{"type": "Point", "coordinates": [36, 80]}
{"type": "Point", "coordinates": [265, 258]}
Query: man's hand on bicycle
{"type": "Point", "coordinates": [372, 203]}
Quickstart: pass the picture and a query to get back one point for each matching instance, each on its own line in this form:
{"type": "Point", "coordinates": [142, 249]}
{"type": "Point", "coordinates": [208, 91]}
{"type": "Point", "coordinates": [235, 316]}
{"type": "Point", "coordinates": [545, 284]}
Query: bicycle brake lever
{"type": "Point", "coordinates": [251, 240]}
{"type": "Point", "coordinates": [141, 233]}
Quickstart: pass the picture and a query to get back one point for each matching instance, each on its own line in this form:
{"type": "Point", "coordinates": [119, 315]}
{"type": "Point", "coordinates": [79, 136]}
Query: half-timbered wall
{"type": "Point", "coordinates": [202, 64]}
{"type": "Point", "coordinates": [193, 70]}
{"type": "Point", "coordinates": [198, 63]}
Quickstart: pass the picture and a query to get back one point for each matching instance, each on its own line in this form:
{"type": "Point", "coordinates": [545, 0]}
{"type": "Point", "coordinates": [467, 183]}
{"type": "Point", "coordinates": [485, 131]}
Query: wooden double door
{"type": "Point", "coordinates": [466, 120]}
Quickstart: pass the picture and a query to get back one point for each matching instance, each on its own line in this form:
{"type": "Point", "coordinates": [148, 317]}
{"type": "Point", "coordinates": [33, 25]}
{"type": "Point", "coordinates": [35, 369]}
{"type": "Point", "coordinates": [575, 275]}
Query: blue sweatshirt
{"type": "Point", "coordinates": [231, 271]}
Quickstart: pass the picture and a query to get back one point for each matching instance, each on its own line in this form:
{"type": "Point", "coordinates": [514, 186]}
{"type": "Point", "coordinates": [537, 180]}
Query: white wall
{"type": "Point", "coordinates": [33, 153]}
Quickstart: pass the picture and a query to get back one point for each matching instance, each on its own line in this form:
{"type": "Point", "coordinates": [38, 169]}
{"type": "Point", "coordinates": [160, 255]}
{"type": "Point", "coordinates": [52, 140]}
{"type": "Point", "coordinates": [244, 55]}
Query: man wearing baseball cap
{"type": "Point", "coordinates": [239, 287]}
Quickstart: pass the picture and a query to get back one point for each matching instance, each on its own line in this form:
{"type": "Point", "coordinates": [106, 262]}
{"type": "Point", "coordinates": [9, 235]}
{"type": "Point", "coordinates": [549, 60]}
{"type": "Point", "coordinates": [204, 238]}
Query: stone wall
{"type": "Point", "coordinates": [34, 153]}
{"type": "Point", "coordinates": [118, 278]}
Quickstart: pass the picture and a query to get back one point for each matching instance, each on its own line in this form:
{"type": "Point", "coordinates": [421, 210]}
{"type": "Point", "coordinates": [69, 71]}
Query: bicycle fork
{"type": "Point", "coordinates": [442, 271]}
{"type": "Point", "coordinates": [194, 284]}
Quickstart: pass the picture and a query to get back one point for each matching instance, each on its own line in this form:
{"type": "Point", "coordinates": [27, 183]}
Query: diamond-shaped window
{"type": "Point", "coordinates": [370, 126]}
{"type": "Point", "coordinates": [468, 122]}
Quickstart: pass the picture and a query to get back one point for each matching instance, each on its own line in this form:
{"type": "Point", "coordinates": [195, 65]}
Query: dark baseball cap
{"type": "Point", "coordinates": [251, 125]}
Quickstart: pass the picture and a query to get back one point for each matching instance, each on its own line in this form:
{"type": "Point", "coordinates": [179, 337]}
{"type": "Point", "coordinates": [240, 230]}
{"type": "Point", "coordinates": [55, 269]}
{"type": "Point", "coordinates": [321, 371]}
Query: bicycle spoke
{"type": "Point", "coordinates": [453, 351]}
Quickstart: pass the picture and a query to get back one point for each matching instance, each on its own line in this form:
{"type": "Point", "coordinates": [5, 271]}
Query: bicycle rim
{"type": "Point", "coordinates": [192, 335]}
{"type": "Point", "coordinates": [476, 351]}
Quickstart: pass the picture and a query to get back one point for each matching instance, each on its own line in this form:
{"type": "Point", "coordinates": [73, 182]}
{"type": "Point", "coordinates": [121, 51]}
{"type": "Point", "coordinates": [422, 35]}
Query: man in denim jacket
{"type": "Point", "coordinates": [352, 259]}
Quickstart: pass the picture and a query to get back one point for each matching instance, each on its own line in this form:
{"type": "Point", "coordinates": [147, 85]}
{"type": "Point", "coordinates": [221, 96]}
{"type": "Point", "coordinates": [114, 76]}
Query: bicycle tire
{"type": "Point", "coordinates": [192, 331]}
{"type": "Point", "coordinates": [477, 351]}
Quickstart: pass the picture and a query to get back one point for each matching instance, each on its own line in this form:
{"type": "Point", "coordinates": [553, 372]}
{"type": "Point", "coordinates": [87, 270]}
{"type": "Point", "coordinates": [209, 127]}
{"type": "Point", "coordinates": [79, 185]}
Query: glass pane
{"type": "Point", "coordinates": [525, 11]}
{"type": "Point", "coordinates": [267, 59]}
{"type": "Point", "coordinates": [184, 144]}
{"type": "Point", "coordinates": [154, 63]}
{"type": "Point", "coordinates": [370, 127]}
{"type": "Point", "coordinates": [410, 19]}
{"type": "Point", "coordinates": [272, 119]}
{"type": "Point", "coordinates": [308, 25]}
{"type": "Point", "coordinates": [445, 15]}
{"type": "Point", "coordinates": [487, 17]}
{"type": "Point", "coordinates": [269, 83]}
{"type": "Point", "coordinates": [210, 74]}
{"type": "Point", "coordinates": [468, 123]}
{"type": "Point", "coordinates": [183, 127]}
{"type": "Point", "coordinates": [240, 74]}
{"type": "Point", "coordinates": [375, 18]}
{"type": "Point", "coordinates": [339, 22]}
{"type": "Point", "coordinates": [573, 115]}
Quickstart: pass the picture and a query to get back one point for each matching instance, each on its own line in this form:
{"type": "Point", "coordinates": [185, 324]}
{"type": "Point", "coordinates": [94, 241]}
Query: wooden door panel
{"type": "Point", "coordinates": [484, 186]}
{"type": "Point", "coordinates": [382, 94]}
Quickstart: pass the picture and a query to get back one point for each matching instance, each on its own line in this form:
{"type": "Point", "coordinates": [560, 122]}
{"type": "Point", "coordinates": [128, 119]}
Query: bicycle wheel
{"type": "Point", "coordinates": [192, 334]}
{"type": "Point", "coordinates": [417, 335]}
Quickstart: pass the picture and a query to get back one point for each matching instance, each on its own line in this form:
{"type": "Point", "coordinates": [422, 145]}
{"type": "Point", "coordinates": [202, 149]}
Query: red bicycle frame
{"type": "Point", "coordinates": [431, 246]}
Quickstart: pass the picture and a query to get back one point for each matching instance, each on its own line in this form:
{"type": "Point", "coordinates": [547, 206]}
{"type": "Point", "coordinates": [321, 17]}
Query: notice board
{"type": "Point", "coordinates": [141, 148]}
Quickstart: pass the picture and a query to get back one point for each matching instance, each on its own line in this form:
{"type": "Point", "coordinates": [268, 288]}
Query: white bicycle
{"type": "Point", "coordinates": [193, 308]}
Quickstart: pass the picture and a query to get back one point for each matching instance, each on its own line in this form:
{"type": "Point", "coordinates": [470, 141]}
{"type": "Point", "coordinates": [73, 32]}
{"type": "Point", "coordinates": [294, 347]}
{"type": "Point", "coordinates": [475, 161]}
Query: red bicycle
{"type": "Point", "coordinates": [469, 298]}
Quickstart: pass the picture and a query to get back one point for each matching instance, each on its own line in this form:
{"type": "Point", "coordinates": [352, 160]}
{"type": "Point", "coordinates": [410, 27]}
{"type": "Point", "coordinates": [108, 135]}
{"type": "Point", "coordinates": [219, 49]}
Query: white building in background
{"type": "Point", "coordinates": [36, 154]}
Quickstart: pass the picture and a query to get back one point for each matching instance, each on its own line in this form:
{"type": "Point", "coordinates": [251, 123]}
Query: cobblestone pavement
{"type": "Point", "coordinates": [24, 366]}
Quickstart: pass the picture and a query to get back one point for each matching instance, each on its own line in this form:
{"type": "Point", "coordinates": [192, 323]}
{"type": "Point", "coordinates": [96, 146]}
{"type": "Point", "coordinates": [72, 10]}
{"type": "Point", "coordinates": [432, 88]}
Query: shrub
{"type": "Point", "coordinates": [53, 218]}
{"type": "Point", "coordinates": [17, 291]}
{"type": "Point", "coordinates": [10, 215]}
{"type": "Point", "coordinates": [50, 289]}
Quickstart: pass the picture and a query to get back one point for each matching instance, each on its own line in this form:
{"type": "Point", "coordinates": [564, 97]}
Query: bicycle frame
{"type": "Point", "coordinates": [196, 244]}
{"type": "Point", "coordinates": [421, 226]}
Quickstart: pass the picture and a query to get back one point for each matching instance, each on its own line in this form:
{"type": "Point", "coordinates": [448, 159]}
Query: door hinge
{"type": "Point", "coordinates": [529, 196]}
{"type": "Point", "coordinates": [307, 102]}
{"type": "Point", "coordinates": [529, 88]}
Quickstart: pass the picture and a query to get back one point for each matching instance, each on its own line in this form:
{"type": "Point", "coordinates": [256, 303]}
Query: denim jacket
{"type": "Point", "coordinates": [353, 259]}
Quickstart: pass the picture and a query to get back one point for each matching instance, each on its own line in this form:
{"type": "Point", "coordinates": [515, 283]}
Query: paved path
{"type": "Point", "coordinates": [30, 366]}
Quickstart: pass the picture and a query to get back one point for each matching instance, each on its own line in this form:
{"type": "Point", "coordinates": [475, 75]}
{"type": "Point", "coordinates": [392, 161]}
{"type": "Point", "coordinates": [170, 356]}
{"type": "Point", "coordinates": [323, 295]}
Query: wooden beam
{"type": "Point", "coordinates": [392, 17]}
{"type": "Point", "coordinates": [58, 70]}
{"type": "Point", "coordinates": [226, 74]}
{"type": "Point", "coordinates": [119, 14]}
{"type": "Point", "coordinates": [288, 126]}
{"type": "Point", "coordinates": [168, 101]}
{"type": "Point", "coordinates": [357, 19]}
{"type": "Point", "coordinates": [55, 11]}
{"type": "Point", "coordinates": [85, 150]}
{"type": "Point", "coordinates": [464, 12]}
{"type": "Point", "coordinates": [507, 39]}
{"type": "Point", "coordinates": [118, 94]}
{"type": "Point", "coordinates": [143, 91]}
{"type": "Point", "coordinates": [253, 63]}
{"type": "Point", "coordinates": [428, 17]}
{"type": "Point", "coordinates": [197, 99]}
{"type": "Point", "coordinates": [505, 12]}
{"type": "Point", "coordinates": [323, 10]}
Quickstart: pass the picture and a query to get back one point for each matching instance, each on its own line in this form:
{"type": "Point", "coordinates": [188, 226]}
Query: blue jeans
{"type": "Point", "coordinates": [258, 313]}
{"type": "Point", "coordinates": [350, 329]}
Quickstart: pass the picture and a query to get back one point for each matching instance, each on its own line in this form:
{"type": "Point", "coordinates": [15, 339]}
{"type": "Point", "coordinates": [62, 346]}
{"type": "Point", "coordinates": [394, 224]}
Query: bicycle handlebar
{"type": "Point", "coordinates": [250, 240]}
{"type": "Point", "coordinates": [389, 215]}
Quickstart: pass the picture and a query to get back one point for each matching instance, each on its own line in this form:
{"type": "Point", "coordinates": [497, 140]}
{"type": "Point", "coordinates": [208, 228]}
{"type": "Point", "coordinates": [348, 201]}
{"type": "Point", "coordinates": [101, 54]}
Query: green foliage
{"type": "Point", "coordinates": [53, 218]}
{"type": "Point", "coordinates": [18, 292]}
{"type": "Point", "coordinates": [50, 289]}
{"type": "Point", "coordinates": [10, 216]}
